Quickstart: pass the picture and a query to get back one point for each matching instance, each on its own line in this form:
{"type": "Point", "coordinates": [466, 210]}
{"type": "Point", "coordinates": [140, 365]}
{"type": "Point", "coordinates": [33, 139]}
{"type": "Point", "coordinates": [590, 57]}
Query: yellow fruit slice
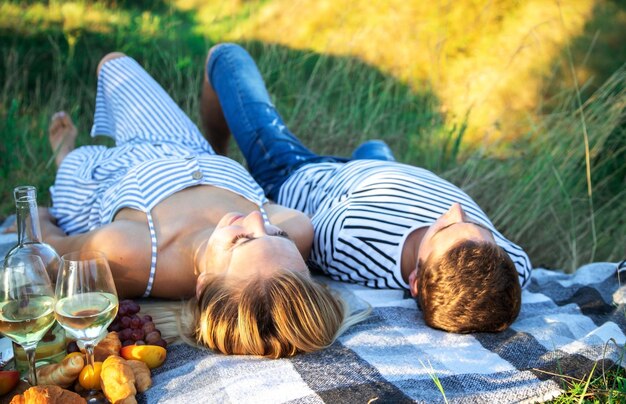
{"type": "Point", "coordinates": [89, 377]}
{"type": "Point", "coordinates": [151, 355]}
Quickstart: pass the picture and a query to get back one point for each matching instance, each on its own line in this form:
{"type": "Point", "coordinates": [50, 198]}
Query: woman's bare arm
{"type": "Point", "coordinates": [125, 244]}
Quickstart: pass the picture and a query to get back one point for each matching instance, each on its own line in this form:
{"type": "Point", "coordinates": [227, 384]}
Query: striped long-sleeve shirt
{"type": "Point", "coordinates": [363, 211]}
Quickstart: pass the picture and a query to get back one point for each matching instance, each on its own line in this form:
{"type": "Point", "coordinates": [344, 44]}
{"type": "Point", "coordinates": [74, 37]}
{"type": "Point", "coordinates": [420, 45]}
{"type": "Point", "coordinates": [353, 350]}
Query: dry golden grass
{"type": "Point", "coordinates": [490, 57]}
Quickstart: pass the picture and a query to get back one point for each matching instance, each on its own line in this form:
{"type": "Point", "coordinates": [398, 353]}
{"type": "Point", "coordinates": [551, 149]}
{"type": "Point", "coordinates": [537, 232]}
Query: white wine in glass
{"type": "Point", "coordinates": [26, 304]}
{"type": "Point", "coordinates": [87, 314]}
{"type": "Point", "coordinates": [86, 297]}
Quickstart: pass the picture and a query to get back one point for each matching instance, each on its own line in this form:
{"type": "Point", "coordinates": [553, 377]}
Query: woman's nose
{"type": "Point", "coordinates": [254, 223]}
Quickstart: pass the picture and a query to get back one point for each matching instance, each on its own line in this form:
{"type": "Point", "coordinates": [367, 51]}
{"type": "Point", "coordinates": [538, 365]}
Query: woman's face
{"type": "Point", "coordinates": [242, 247]}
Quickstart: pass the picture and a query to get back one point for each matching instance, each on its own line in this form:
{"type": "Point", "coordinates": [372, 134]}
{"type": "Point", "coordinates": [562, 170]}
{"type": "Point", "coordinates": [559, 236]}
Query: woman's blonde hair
{"type": "Point", "coordinates": [276, 316]}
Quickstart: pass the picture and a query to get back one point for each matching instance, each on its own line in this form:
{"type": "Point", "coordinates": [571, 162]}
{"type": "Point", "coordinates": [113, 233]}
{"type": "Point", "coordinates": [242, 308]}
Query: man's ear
{"type": "Point", "coordinates": [414, 282]}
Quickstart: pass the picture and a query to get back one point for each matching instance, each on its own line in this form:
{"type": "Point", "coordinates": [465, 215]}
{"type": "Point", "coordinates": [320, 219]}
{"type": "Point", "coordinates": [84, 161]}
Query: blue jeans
{"type": "Point", "coordinates": [271, 151]}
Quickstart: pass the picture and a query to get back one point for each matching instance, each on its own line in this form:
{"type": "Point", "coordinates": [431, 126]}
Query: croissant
{"type": "Point", "coordinates": [110, 345]}
{"type": "Point", "coordinates": [62, 374]}
{"type": "Point", "coordinates": [143, 381]}
{"type": "Point", "coordinates": [48, 395]}
{"type": "Point", "coordinates": [118, 381]}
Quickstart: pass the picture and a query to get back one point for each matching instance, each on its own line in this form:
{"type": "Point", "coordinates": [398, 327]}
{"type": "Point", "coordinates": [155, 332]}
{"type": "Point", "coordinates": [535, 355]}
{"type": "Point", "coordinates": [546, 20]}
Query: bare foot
{"type": "Point", "coordinates": [214, 124]}
{"type": "Point", "coordinates": [62, 135]}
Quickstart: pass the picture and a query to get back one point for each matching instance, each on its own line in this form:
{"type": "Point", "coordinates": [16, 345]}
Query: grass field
{"type": "Point", "coordinates": [555, 182]}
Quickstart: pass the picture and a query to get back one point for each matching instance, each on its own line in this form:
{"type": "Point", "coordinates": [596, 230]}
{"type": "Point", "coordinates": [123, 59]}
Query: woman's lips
{"type": "Point", "coordinates": [234, 219]}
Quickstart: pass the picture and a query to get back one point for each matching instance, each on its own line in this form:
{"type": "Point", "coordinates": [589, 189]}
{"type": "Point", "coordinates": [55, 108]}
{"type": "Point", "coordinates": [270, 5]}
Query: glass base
{"type": "Point", "coordinates": [94, 396]}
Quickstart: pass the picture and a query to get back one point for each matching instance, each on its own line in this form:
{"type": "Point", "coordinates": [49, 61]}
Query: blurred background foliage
{"type": "Point", "coordinates": [521, 103]}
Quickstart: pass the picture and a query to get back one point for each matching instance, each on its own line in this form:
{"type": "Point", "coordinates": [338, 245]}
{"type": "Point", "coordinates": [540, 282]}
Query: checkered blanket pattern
{"type": "Point", "coordinates": [567, 324]}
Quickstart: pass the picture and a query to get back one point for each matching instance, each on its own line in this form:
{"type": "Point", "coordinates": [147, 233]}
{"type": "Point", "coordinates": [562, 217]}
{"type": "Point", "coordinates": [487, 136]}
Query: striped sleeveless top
{"type": "Point", "coordinates": [158, 152]}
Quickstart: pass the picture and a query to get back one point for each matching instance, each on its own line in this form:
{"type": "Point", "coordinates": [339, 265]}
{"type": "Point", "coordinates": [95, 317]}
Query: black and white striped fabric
{"type": "Point", "coordinates": [362, 212]}
{"type": "Point", "coordinates": [567, 325]}
{"type": "Point", "coordinates": [94, 182]}
{"type": "Point", "coordinates": [158, 152]}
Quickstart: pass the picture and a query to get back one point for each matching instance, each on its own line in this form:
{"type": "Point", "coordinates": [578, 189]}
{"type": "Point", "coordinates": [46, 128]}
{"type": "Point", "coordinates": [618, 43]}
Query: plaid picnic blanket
{"type": "Point", "coordinates": [567, 324]}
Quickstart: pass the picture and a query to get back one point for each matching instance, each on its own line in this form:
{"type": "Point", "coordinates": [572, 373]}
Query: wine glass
{"type": "Point", "coordinates": [26, 304]}
{"type": "Point", "coordinates": [86, 298]}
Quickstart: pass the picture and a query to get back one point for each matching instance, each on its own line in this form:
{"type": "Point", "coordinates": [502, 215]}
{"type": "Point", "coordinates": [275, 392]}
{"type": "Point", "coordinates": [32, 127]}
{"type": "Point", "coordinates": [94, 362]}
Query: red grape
{"type": "Point", "coordinates": [133, 308]}
{"type": "Point", "coordinates": [133, 328]}
{"type": "Point", "coordinates": [125, 321]}
{"type": "Point", "coordinates": [125, 334]}
{"type": "Point", "coordinates": [115, 326]}
{"type": "Point", "coordinates": [135, 322]}
{"type": "Point", "coordinates": [72, 347]}
{"type": "Point", "coordinates": [148, 327]}
{"type": "Point", "coordinates": [137, 334]}
{"type": "Point", "coordinates": [152, 337]}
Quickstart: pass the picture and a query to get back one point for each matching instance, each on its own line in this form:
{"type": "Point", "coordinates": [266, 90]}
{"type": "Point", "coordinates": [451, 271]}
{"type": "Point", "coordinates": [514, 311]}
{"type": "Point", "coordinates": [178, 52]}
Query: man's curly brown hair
{"type": "Point", "coordinates": [474, 287]}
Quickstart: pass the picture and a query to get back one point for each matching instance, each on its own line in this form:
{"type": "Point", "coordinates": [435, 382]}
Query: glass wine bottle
{"type": "Point", "coordinates": [29, 241]}
{"type": "Point", "coordinates": [29, 231]}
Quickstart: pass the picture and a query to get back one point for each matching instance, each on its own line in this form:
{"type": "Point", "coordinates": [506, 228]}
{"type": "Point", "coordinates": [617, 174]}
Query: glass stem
{"type": "Point", "coordinates": [32, 372]}
{"type": "Point", "coordinates": [89, 350]}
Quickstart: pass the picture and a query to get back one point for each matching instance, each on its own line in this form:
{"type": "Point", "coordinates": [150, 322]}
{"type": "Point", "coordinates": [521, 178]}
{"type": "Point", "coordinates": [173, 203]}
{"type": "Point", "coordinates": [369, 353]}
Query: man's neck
{"type": "Point", "coordinates": [409, 251]}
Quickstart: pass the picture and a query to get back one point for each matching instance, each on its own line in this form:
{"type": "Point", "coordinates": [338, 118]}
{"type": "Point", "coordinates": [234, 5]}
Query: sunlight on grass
{"type": "Point", "coordinates": [149, 25]}
{"type": "Point", "coordinates": [487, 57]}
{"type": "Point", "coordinates": [216, 19]}
{"type": "Point", "coordinates": [71, 16]}
{"type": "Point", "coordinates": [492, 59]}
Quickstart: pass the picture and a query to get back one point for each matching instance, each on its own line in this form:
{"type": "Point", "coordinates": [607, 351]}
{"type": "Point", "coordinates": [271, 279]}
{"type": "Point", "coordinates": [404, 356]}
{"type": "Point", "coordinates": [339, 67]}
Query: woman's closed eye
{"type": "Point", "coordinates": [250, 236]}
{"type": "Point", "coordinates": [281, 233]}
{"type": "Point", "coordinates": [240, 237]}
